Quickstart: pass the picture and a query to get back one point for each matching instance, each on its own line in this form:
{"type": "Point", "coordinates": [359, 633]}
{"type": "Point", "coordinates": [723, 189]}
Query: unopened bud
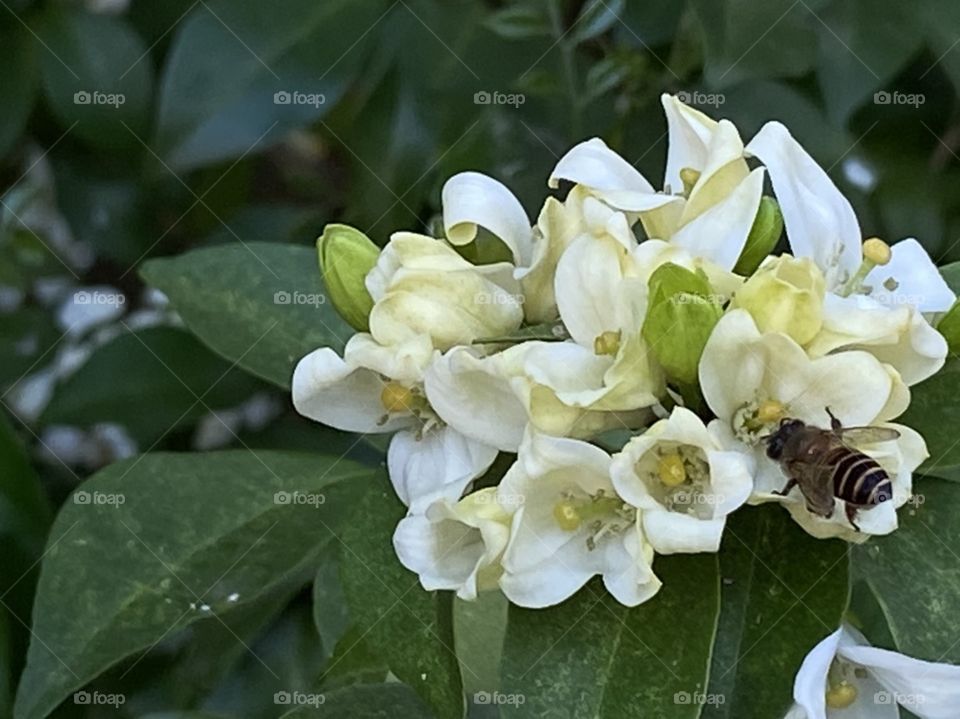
{"type": "Point", "coordinates": [764, 235]}
{"type": "Point", "coordinates": [346, 257]}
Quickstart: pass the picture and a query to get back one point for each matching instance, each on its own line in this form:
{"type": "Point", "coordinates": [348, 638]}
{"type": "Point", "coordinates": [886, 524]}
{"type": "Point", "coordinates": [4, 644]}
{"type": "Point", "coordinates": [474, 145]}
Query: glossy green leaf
{"type": "Point", "coordinates": [782, 592]}
{"type": "Point", "coordinates": [935, 413]}
{"type": "Point", "coordinates": [261, 305]}
{"type": "Point", "coordinates": [331, 615]}
{"type": "Point", "coordinates": [219, 94]}
{"type": "Point", "coordinates": [915, 572]}
{"type": "Point", "coordinates": [151, 382]}
{"type": "Point", "coordinates": [18, 83]}
{"type": "Point", "coordinates": [592, 657]}
{"type": "Point", "coordinates": [95, 75]}
{"type": "Point", "coordinates": [410, 628]}
{"type": "Point", "coordinates": [188, 537]}
{"type": "Point", "coordinates": [480, 627]}
{"type": "Point", "coordinates": [366, 701]}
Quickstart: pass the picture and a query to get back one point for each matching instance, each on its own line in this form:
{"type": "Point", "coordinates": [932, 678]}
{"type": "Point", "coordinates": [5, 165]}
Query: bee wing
{"type": "Point", "coordinates": [816, 483]}
{"type": "Point", "coordinates": [867, 435]}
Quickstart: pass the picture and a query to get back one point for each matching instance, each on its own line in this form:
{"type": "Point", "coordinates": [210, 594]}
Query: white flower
{"type": "Point", "coordinates": [421, 287]}
{"type": "Point", "coordinates": [380, 389]}
{"type": "Point", "coordinates": [685, 482]}
{"type": "Point", "coordinates": [752, 380]}
{"type": "Point", "coordinates": [843, 677]}
{"type": "Point", "coordinates": [456, 545]}
{"type": "Point", "coordinates": [878, 311]}
{"type": "Point", "coordinates": [571, 527]}
{"type": "Point", "coordinates": [710, 215]}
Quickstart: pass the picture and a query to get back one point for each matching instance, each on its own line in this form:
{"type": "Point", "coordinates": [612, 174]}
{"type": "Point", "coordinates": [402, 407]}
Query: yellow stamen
{"type": "Point", "coordinates": [770, 411]}
{"type": "Point", "coordinates": [396, 398]}
{"type": "Point", "coordinates": [671, 470]}
{"type": "Point", "coordinates": [876, 251]}
{"type": "Point", "coordinates": [841, 696]}
{"type": "Point", "coordinates": [607, 343]}
{"type": "Point", "coordinates": [566, 516]}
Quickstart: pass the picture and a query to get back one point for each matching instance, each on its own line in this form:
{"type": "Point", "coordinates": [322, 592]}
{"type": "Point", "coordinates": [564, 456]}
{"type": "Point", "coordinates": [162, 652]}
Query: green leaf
{"type": "Point", "coordinates": [915, 573]}
{"type": "Point", "coordinates": [596, 18]}
{"type": "Point", "coordinates": [229, 59]}
{"type": "Point", "coordinates": [951, 273]}
{"type": "Point", "coordinates": [520, 22]}
{"type": "Point", "coordinates": [331, 615]}
{"type": "Point", "coordinates": [410, 628]}
{"type": "Point", "coordinates": [935, 413]}
{"type": "Point", "coordinates": [95, 75]}
{"type": "Point", "coordinates": [949, 327]}
{"type": "Point", "coordinates": [783, 591]}
{"type": "Point", "coordinates": [18, 83]}
{"type": "Point", "coordinates": [25, 335]}
{"type": "Point", "coordinates": [259, 304]}
{"type": "Point", "coordinates": [592, 657]}
{"type": "Point", "coordinates": [173, 378]}
{"type": "Point", "coordinates": [480, 627]}
{"type": "Point", "coordinates": [189, 537]}
{"type": "Point", "coordinates": [366, 701]}
{"type": "Point", "coordinates": [859, 55]}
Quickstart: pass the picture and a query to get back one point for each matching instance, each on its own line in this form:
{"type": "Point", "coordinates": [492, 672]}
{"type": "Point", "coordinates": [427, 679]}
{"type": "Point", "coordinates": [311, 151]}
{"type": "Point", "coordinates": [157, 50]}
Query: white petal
{"type": "Point", "coordinates": [587, 287]}
{"type": "Point", "coordinates": [475, 396]}
{"type": "Point", "coordinates": [720, 233]}
{"type": "Point", "coordinates": [930, 690]}
{"type": "Point", "coordinates": [915, 278]}
{"type": "Point", "coordinates": [673, 532]}
{"type": "Point", "coordinates": [732, 366]}
{"type": "Point", "coordinates": [628, 574]}
{"type": "Point", "coordinates": [690, 133]}
{"type": "Point", "coordinates": [328, 390]}
{"type": "Point", "coordinates": [809, 686]}
{"type": "Point", "coordinates": [819, 220]}
{"type": "Point", "coordinates": [440, 465]}
{"type": "Point", "coordinates": [404, 362]}
{"type": "Point", "coordinates": [471, 199]}
{"type": "Point", "coordinates": [606, 174]}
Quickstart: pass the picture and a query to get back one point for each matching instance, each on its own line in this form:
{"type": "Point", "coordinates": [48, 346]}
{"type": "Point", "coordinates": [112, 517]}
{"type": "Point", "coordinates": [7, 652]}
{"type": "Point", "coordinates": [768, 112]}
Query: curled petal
{"type": "Point", "coordinates": [910, 278]}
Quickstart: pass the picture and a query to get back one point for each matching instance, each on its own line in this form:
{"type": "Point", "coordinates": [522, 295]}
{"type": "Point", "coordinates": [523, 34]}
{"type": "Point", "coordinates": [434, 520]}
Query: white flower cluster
{"type": "Point", "coordinates": [627, 307]}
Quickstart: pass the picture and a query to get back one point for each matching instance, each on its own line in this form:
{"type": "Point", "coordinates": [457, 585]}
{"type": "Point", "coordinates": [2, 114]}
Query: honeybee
{"type": "Point", "coordinates": [827, 468]}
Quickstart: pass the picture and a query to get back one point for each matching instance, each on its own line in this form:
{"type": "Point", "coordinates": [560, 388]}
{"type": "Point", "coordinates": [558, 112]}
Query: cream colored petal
{"type": "Point", "coordinates": [690, 132]}
{"type": "Point", "coordinates": [471, 200]}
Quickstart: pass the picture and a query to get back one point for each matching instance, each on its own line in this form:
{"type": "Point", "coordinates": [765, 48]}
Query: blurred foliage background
{"type": "Point", "coordinates": [203, 151]}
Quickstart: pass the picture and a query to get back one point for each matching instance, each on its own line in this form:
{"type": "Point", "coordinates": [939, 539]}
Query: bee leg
{"type": "Point", "coordinates": [835, 423]}
{"type": "Point", "coordinates": [851, 515]}
{"type": "Point", "coordinates": [791, 483]}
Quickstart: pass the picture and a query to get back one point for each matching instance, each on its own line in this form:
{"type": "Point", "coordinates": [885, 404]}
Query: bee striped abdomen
{"type": "Point", "coordinates": [858, 479]}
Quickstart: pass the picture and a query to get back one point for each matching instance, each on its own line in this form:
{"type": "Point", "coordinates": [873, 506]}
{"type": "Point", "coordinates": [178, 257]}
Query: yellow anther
{"type": "Point", "coordinates": [876, 251]}
{"type": "Point", "coordinates": [607, 343]}
{"type": "Point", "coordinates": [397, 398]}
{"type": "Point", "coordinates": [671, 470]}
{"type": "Point", "coordinates": [566, 516]}
{"type": "Point", "coordinates": [841, 696]}
{"type": "Point", "coordinates": [770, 411]}
{"type": "Point", "coordinates": [689, 177]}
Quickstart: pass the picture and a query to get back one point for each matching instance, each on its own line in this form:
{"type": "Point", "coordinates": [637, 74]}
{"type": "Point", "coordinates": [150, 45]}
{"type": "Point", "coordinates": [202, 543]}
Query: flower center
{"type": "Point", "coordinates": [607, 343]}
{"type": "Point", "coordinates": [841, 696]}
{"type": "Point", "coordinates": [400, 399]}
{"type": "Point", "coordinates": [603, 514]}
{"type": "Point", "coordinates": [756, 419]}
{"type": "Point", "coordinates": [678, 477]}
{"type": "Point", "coordinates": [671, 471]}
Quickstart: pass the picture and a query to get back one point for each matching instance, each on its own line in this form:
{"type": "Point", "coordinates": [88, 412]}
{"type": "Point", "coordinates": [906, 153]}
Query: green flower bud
{"type": "Point", "coordinates": [680, 317]}
{"type": "Point", "coordinates": [346, 257]}
{"type": "Point", "coordinates": [785, 295]}
{"type": "Point", "coordinates": [764, 235]}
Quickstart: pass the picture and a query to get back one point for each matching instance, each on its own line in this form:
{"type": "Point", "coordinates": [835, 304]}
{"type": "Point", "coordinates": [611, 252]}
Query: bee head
{"type": "Point", "coordinates": [778, 439]}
